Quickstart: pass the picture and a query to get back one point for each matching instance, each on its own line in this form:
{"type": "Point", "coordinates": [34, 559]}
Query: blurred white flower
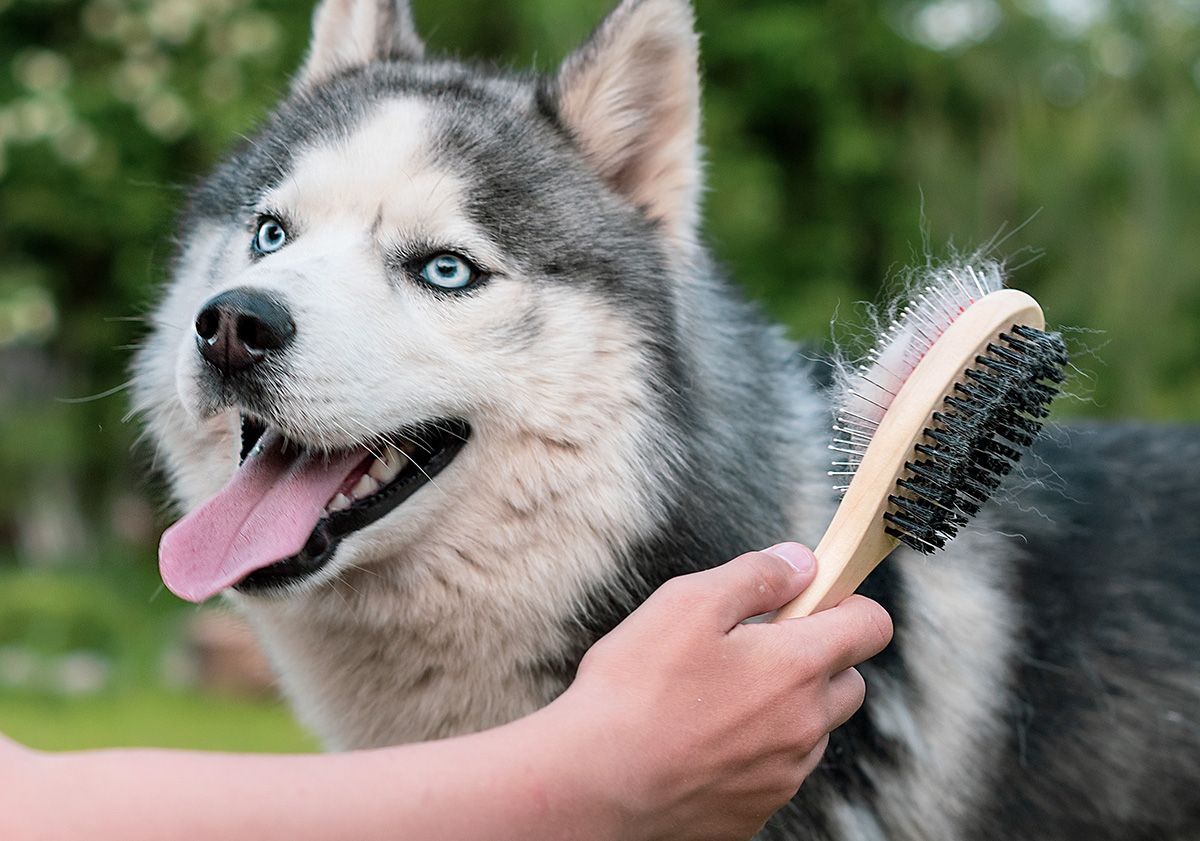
{"type": "Point", "coordinates": [42, 71]}
{"type": "Point", "coordinates": [1072, 18]}
{"type": "Point", "coordinates": [1117, 54]}
{"type": "Point", "coordinates": [166, 115]}
{"type": "Point", "coordinates": [27, 314]}
{"type": "Point", "coordinates": [77, 144]}
{"type": "Point", "coordinates": [19, 667]}
{"type": "Point", "coordinates": [41, 117]}
{"type": "Point", "coordinates": [173, 20]}
{"type": "Point", "coordinates": [253, 33]}
{"type": "Point", "coordinates": [950, 24]}
{"type": "Point", "coordinates": [131, 27]}
{"type": "Point", "coordinates": [138, 79]}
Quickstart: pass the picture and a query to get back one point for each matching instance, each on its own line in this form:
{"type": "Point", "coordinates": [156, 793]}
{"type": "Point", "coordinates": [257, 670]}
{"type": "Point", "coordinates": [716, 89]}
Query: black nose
{"type": "Point", "coordinates": [238, 328]}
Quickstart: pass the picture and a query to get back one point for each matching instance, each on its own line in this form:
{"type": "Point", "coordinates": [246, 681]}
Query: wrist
{"type": "Point", "coordinates": [592, 768]}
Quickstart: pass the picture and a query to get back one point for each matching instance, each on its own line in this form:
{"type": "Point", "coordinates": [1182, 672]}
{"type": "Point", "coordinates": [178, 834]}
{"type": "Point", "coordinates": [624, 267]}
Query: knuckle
{"type": "Point", "coordinates": [822, 745]}
{"type": "Point", "coordinates": [858, 687]}
{"type": "Point", "coordinates": [667, 605]}
{"type": "Point", "coordinates": [882, 623]}
{"type": "Point", "coordinates": [807, 666]}
{"type": "Point", "coordinates": [788, 779]}
{"type": "Point", "coordinates": [849, 698]}
{"type": "Point", "coordinates": [676, 590]}
{"type": "Point", "coordinates": [877, 621]}
{"type": "Point", "coordinates": [805, 658]}
{"type": "Point", "coordinates": [813, 737]}
{"type": "Point", "coordinates": [688, 595]}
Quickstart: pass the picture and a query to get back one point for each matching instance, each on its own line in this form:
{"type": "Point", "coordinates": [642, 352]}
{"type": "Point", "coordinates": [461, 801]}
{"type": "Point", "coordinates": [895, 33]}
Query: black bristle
{"type": "Point", "coordinates": [975, 439]}
{"type": "Point", "coordinates": [989, 381]}
{"type": "Point", "coordinates": [970, 507]}
{"type": "Point", "coordinates": [942, 496]}
{"type": "Point", "coordinates": [996, 448]}
{"type": "Point", "coordinates": [912, 541]}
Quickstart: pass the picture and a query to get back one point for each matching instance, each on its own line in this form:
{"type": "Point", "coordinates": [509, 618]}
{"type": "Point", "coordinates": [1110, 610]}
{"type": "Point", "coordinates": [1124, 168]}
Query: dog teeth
{"type": "Point", "coordinates": [379, 472]}
{"type": "Point", "coordinates": [365, 487]}
{"type": "Point", "coordinates": [382, 471]}
{"type": "Point", "coordinates": [386, 469]}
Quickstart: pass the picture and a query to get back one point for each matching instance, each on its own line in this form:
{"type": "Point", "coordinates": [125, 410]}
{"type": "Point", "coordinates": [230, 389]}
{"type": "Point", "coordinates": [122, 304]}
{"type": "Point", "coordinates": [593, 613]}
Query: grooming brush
{"type": "Point", "coordinates": [929, 426]}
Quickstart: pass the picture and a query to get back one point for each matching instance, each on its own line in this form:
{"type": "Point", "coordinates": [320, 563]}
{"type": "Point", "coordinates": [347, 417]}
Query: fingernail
{"type": "Point", "coordinates": [800, 557]}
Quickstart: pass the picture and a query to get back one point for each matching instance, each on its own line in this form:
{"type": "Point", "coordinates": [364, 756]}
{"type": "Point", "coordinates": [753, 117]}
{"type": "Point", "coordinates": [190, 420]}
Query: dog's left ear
{"type": "Point", "coordinates": [354, 33]}
{"type": "Point", "coordinates": [631, 99]}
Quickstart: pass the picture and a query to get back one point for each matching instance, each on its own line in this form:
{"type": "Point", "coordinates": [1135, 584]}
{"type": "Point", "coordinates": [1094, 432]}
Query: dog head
{"type": "Point", "coordinates": [413, 265]}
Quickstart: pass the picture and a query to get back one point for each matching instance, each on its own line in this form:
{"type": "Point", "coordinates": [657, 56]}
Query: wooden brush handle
{"type": "Point", "coordinates": [856, 540]}
{"type": "Point", "coordinates": [845, 557]}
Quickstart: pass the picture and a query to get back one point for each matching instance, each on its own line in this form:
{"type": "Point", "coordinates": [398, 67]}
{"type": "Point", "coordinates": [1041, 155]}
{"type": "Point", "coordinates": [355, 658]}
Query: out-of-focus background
{"type": "Point", "coordinates": [830, 125]}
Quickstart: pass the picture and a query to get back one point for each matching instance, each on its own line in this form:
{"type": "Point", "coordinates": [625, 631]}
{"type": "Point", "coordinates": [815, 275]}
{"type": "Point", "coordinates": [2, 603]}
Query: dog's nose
{"type": "Point", "coordinates": [238, 328]}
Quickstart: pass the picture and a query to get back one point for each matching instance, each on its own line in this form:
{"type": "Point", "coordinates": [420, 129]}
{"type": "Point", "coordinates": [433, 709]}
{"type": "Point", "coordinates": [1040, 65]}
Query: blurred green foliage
{"type": "Point", "coordinates": [840, 135]}
{"type": "Point", "coordinates": [103, 610]}
{"type": "Point", "coordinates": [94, 656]}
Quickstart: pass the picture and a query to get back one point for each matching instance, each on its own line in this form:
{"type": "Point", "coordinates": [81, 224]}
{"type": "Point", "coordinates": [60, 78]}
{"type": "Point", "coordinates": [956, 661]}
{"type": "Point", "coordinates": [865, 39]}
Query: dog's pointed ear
{"type": "Point", "coordinates": [630, 97]}
{"type": "Point", "coordinates": [354, 33]}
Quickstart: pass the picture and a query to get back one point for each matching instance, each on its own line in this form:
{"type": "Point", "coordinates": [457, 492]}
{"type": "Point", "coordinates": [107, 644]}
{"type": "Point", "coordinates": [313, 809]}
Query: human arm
{"type": "Point", "coordinates": [682, 723]}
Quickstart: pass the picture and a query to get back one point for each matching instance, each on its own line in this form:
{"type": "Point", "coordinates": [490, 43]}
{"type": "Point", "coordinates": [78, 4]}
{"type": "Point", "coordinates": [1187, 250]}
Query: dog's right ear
{"type": "Point", "coordinates": [354, 33]}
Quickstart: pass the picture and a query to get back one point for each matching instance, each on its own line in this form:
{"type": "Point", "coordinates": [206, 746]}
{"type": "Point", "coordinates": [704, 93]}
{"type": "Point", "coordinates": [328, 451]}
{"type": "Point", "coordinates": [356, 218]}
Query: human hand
{"type": "Point", "coordinates": [706, 726]}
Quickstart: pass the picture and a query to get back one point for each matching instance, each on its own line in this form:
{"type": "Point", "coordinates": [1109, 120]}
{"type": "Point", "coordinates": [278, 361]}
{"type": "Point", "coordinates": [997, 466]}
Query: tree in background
{"type": "Point", "coordinates": [831, 127]}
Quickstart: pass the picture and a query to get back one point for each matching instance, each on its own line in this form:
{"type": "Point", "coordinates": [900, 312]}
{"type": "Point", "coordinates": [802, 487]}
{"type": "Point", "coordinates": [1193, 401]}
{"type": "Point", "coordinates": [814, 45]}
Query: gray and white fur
{"type": "Point", "coordinates": [633, 419]}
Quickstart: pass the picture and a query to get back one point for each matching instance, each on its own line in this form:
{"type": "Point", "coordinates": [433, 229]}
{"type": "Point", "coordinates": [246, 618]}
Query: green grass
{"type": "Point", "coordinates": [149, 718]}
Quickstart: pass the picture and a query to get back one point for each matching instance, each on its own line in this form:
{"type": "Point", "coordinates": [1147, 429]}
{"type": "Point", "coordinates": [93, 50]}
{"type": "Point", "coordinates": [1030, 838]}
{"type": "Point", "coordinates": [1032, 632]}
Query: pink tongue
{"type": "Point", "coordinates": [265, 514]}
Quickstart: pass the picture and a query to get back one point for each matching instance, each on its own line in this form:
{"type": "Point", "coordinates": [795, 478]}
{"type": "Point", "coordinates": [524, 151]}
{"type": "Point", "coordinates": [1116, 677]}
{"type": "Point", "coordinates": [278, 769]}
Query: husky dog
{"type": "Point", "coordinates": [488, 390]}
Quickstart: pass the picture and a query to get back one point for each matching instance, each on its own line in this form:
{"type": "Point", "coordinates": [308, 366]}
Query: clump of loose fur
{"type": "Point", "coordinates": [982, 428]}
{"type": "Point", "coordinates": [900, 330]}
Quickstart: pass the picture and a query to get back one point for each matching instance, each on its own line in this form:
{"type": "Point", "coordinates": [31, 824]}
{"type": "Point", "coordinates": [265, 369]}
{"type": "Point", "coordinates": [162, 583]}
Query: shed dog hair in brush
{"type": "Point", "coordinates": [931, 423]}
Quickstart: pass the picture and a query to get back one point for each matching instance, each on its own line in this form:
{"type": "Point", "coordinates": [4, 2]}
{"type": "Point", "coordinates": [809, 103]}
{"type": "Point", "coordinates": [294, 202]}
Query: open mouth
{"type": "Point", "coordinates": [281, 517]}
{"type": "Point", "coordinates": [391, 472]}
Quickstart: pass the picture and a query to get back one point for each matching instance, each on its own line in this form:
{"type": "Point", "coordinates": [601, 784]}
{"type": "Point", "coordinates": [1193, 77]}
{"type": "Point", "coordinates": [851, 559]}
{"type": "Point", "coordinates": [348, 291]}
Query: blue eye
{"type": "Point", "coordinates": [270, 237]}
{"type": "Point", "coordinates": [449, 271]}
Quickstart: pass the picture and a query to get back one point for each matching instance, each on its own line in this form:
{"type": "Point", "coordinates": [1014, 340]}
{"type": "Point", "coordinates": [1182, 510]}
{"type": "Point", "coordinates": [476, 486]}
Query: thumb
{"type": "Point", "coordinates": [759, 582]}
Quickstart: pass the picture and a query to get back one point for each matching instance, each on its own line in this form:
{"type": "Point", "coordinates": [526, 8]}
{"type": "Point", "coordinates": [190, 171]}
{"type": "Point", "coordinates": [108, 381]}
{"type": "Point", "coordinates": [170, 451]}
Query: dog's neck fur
{"type": "Point", "coordinates": [481, 618]}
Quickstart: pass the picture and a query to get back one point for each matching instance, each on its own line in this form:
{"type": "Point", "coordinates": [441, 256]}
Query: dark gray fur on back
{"type": "Point", "coordinates": [1104, 717]}
{"type": "Point", "coordinates": [1101, 738]}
